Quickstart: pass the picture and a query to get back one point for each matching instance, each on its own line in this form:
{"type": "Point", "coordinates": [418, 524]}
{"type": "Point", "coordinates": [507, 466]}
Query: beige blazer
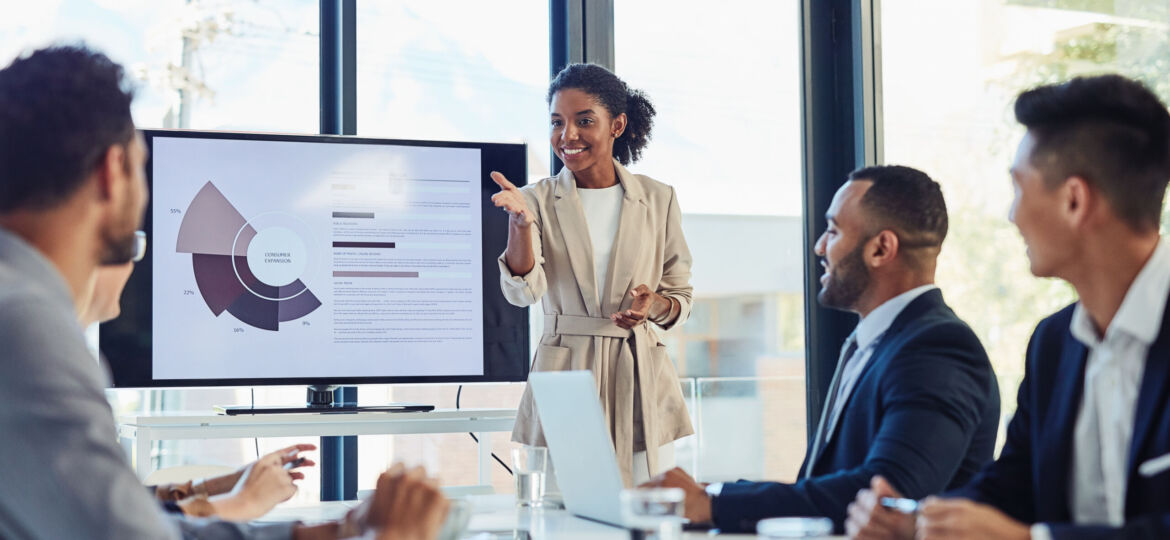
{"type": "Point", "coordinates": [639, 387]}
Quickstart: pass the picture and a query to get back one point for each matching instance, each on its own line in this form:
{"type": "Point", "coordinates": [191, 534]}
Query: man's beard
{"type": "Point", "coordinates": [847, 282]}
{"type": "Point", "coordinates": [119, 241]}
{"type": "Point", "coordinates": [118, 247]}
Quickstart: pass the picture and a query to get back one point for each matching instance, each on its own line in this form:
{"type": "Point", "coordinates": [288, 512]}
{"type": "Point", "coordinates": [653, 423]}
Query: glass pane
{"type": "Point", "coordinates": [727, 136]}
{"type": "Point", "coordinates": [451, 70]}
{"type": "Point", "coordinates": [686, 449]}
{"type": "Point", "coordinates": [743, 80]}
{"type": "Point", "coordinates": [453, 457]}
{"type": "Point", "coordinates": [454, 70]}
{"type": "Point", "coordinates": [228, 64]}
{"type": "Point", "coordinates": [254, 65]}
{"type": "Point", "coordinates": [948, 111]}
{"type": "Point", "coordinates": [450, 457]}
{"type": "Point", "coordinates": [734, 411]}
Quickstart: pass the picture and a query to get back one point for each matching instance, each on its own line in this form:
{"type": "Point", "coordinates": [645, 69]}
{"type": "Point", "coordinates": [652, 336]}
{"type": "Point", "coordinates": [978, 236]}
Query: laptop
{"type": "Point", "coordinates": [578, 441]}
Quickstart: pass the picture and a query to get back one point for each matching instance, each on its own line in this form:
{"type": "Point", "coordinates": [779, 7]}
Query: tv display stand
{"type": "Point", "coordinates": [320, 400]}
{"type": "Point", "coordinates": [234, 410]}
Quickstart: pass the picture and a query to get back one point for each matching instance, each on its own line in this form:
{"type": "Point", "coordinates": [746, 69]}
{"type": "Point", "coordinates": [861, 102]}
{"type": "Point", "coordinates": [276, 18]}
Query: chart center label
{"type": "Point", "coordinates": [277, 256]}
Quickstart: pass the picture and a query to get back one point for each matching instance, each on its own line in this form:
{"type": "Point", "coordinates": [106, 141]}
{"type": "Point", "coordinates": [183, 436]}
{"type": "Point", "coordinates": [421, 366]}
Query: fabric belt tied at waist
{"type": "Point", "coordinates": [572, 325]}
{"type": "Point", "coordinates": [636, 344]}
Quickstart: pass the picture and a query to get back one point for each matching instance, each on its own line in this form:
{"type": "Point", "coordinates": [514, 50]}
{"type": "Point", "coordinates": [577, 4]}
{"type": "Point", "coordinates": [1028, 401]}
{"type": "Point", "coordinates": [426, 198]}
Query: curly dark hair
{"type": "Point", "coordinates": [1109, 130]}
{"type": "Point", "coordinates": [617, 98]}
{"type": "Point", "coordinates": [61, 108]}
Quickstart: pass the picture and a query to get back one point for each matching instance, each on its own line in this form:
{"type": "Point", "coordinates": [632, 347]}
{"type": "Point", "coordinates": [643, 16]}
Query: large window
{"type": "Point", "coordinates": [727, 137]}
{"type": "Point", "coordinates": [948, 111]}
{"type": "Point", "coordinates": [228, 64]}
{"type": "Point", "coordinates": [451, 70]}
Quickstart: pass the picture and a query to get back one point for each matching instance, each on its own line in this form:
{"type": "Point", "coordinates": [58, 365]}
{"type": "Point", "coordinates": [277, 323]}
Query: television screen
{"type": "Point", "coordinates": [283, 259]}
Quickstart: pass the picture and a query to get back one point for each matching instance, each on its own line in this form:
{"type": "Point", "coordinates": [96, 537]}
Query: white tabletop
{"type": "Point", "coordinates": [493, 517]}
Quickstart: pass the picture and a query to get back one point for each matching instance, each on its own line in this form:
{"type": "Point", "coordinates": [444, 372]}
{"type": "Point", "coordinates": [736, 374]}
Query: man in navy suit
{"type": "Point", "coordinates": [1086, 452]}
{"type": "Point", "coordinates": [914, 397]}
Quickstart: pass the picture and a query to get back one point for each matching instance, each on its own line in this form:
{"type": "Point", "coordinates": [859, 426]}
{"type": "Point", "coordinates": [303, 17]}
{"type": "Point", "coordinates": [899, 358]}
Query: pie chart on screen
{"type": "Point", "coordinates": [250, 268]}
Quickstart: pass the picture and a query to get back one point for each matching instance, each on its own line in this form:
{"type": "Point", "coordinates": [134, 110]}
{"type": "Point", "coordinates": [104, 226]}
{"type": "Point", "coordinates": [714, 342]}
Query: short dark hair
{"type": "Point", "coordinates": [617, 98]}
{"type": "Point", "coordinates": [61, 108]}
{"type": "Point", "coordinates": [1109, 130]}
{"type": "Point", "coordinates": [907, 201]}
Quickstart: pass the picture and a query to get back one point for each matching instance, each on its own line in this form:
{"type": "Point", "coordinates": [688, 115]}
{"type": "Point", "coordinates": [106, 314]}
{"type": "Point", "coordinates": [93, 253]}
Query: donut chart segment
{"type": "Point", "coordinates": [218, 236]}
{"type": "Point", "coordinates": [216, 281]}
{"type": "Point", "coordinates": [211, 224]}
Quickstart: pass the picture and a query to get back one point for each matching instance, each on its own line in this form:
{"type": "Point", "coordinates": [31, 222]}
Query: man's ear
{"type": "Point", "coordinates": [110, 170]}
{"type": "Point", "coordinates": [881, 249]}
{"type": "Point", "coordinates": [1078, 200]}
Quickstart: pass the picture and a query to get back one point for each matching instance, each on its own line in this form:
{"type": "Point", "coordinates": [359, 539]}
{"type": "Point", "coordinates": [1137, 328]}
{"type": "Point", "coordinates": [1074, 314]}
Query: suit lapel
{"type": "Point", "coordinates": [1151, 397]}
{"type": "Point", "coordinates": [1054, 451]}
{"type": "Point", "coordinates": [632, 231]}
{"type": "Point", "coordinates": [915, 309]}
{"type": "Point", "coordinates": [575, 234]}
{"type": "Point", "coordinates": [876, 356]}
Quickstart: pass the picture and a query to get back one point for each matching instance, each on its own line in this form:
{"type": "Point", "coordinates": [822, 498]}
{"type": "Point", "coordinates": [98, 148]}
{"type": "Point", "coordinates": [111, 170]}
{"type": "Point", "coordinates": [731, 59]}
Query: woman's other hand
{"type": "Point", "coordinates": [645, 302]}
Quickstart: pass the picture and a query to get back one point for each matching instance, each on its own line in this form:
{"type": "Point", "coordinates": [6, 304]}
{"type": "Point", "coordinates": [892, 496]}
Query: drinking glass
{"type": "Point", "coordinates": [529, 465]}
{"type": "Point", "coordinates": [657, 512]}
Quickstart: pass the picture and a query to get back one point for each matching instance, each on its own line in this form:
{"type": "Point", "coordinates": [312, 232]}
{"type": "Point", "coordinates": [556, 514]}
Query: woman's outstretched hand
{"type": "Point", "coordinates": [510, 199]}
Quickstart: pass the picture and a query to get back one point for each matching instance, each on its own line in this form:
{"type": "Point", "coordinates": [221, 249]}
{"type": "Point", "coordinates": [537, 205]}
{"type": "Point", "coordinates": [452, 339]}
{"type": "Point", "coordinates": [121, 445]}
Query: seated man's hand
{"type": "Point", "coordinates": [867, 519]}
{"type": "Point", "coordinates": [697, 505]}
{"type": "Point", "coordinates": [230, 483]}
{"type": "Point", "coordinates": [963, 518]}
{"type": "Point", "coordinates": [407, 505]}
{"type": "Point", "coordinates": [262, 485]}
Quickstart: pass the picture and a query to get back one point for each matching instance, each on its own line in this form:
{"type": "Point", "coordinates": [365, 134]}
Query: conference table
{"type": "Point", "coordinates": [495, 517]}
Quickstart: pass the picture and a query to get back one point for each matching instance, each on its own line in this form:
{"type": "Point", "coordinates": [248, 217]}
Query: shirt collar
{"type": "Point", "coordinates": [875, 324]}
{"type": "Point", "coordinates": [1140, 314]}
{"type": "Point", "coordinates": [566, 183]}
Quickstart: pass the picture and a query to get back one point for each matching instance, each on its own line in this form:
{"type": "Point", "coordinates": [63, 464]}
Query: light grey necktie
{"type": "Point", "coordinates": [847, 351]}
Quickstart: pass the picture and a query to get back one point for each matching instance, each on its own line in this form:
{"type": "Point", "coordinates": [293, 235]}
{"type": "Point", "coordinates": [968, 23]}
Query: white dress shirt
{"type": "Point", "coordinates": [603, 212]}
{"type": "Point", "coordinates": [1113, 375]}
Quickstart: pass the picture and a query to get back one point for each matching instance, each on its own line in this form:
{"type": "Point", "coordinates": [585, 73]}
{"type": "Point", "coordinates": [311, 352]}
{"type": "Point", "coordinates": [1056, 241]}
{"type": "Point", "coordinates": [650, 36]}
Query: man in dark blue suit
{"type": "Point", "coordinates": [914, 397]}
{"type": "Point", "coordinates": [1088, 451]}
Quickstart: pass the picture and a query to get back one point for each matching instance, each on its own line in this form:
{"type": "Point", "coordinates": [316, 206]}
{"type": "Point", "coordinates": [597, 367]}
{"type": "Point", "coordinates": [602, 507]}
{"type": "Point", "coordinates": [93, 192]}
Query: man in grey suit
{"type": "Point", "coordinates": [72, 194]}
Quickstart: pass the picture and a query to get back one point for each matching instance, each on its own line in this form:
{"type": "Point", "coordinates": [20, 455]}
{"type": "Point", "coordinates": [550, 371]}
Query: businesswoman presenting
{"type": "Point", "coordinates": [605, 249]}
